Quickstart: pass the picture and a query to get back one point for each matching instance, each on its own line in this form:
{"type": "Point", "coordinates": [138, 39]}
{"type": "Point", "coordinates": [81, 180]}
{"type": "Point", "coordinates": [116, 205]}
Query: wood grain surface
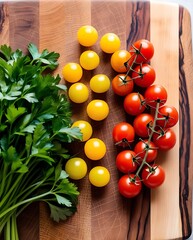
{"type": "Point", "coordinates": [164, 213]}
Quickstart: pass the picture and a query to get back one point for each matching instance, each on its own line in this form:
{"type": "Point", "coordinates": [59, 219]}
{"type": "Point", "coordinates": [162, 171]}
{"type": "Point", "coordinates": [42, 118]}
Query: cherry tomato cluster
{"type": "Point", "coordinates": [150, 129]}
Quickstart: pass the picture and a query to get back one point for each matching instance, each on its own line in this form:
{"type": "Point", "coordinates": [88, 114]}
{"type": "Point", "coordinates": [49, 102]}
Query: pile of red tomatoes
{"type": "Point", "coordinates": [152, 120]}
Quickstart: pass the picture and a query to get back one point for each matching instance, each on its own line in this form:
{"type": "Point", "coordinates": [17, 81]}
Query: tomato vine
{"type": "Point", "coordinates": [152, 123]}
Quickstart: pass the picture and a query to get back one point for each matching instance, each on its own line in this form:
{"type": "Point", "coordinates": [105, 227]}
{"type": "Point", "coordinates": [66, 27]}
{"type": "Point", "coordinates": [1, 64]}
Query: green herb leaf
{"type": "Point", "coordinates": [19, 167]}
{"type": "Point", "coordinates": [11, 155]}
{"type": "Point", "coordinates": [63, 200]}
{"type": "Point", "coordinates": [47, 58]}
{"type": "Point", "coordinates": [58, 213]}
{"type": "Point", "coordinates": [30, 97]}
{"type": "Point", "coordinates": [72, 133]}
{"type": "Point", "coordinates": [13, 113]}
{"type": "Point", "coordinates": [6, 51]}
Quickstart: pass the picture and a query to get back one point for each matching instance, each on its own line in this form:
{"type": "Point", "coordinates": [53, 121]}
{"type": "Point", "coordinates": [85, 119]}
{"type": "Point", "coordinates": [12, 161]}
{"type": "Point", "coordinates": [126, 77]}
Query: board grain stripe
{"type": "Point", "coordinates": [139, 25]}
{"type": "Point", "coordinates": [109, 212]}
{"type": "Point", "coordinates": [22, 27]}
{"type": "Point", "coordinates": [17, 29]}
{"type": "Point", "coordinates": [185, 124]}
{"type": "Point", "coordinates": [165, 37]}
{"type": "Point", "coordinates": [4, 24]}
{"type": "Point", "coordinates": [185, 133]}
{"type": "Point", "coordinates": [23, 24]}
{"type": "Point", "coordinates": [2, 16]}
{"type": "Point", "coordinates": [138, 28]}
{"type": "Point", "coordinates": [59, 22]}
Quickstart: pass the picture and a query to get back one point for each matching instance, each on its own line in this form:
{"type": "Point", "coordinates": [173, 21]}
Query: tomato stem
{"type": "Point", "coordinates": [135, 55]}
{"type": "Point", "coordinates": [149, 140]}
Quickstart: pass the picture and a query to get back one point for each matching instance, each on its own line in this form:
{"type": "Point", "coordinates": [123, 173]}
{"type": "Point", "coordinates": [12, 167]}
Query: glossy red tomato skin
{"type": "Point", "coordinates": [141, 148]}
{"type": "Point", "coordinates": [155, 93]}
{"type": "Point", "coordinates": [145, 47]}
{"type": "Point", "coordinates": [141, 123]}
{"type": "Point", "coordinates": [170, 114]}
{"type": "Point", "coordinates": [121, 85]}
{"type": "Point", "coordinates": [165, 142]}
{"type": "Point", "coordinates": [125, 161]}
{"type": "Point", "coordinates": [123, 132]}
{"type": "Point", "coordinates": [153, 177]}
{"type": "Point", "coordinates": [133, 103]}
{"type": "Point", "coordinates": [129, 188]}
{"type": "Point", "coordinates": [144, 75]}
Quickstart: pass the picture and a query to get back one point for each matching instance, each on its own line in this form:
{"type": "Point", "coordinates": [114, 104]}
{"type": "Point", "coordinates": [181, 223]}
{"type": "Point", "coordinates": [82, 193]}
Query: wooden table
{"type": "Point", "coordinates": [164, 213]}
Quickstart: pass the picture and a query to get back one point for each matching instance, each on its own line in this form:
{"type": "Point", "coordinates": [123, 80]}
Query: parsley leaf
{"type": "Point", "coordinates": [45, 57]}
{"type": "Point", "coordinates": [35, 114]}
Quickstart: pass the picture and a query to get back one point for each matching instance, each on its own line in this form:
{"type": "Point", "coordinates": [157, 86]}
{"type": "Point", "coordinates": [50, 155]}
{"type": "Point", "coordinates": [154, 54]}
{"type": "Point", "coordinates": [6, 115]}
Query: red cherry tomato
{"type": "Point", "coordinates": [143, 75]}
{"type": "Point", "coordinates": [142, 147]}
{"type": "Point", "coordinates": [165, 140]}
{"type": "Point", "coordinates": [122, 85]}
{"type": "Point", "coordinates": [123, 133]}
{"type": "Point", "coordinates": [134, 103]}
{"type": "Point", "coordinates": [141, 123]}
{"type": "Point", "coordinates": [155, 93]}
{"type": "Point", "coordinates": [169, 115]}
{"type": "Point", "coordinates": [129, 186]}
{"type": "Point", "coordinates": [125, 161]}
{"type": "Point", "coordinates": [153, 176]}
{"type": "Point", "coordinates": [141, 51]}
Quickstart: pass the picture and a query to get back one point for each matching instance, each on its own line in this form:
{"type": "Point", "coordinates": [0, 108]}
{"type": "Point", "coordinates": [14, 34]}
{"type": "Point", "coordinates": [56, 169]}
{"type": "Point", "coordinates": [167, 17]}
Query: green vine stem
{"type": "Point", "coordinates": [149, 139]}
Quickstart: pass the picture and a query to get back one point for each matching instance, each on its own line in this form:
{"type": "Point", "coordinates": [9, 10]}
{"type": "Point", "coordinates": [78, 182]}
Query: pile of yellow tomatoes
{"type": "Point", "coordinates": [97, 109]}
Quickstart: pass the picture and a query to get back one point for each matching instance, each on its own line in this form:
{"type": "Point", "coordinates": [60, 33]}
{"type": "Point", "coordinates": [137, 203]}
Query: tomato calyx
{"type": "Point", "coordinates": [160, 132]}
{"type": "Point", "coordinates": [147, 145]}
{"type": "Point", "coordinates": [142, 102]}
{"type": "Point", "coordinates": [124, 143]}
{"type": "Point", "coordinates": [124, 80]}
{"type": "Point", "coordinates": [166, 118]}
{"type": "Point", "coordinates": [150, 126]}
{"type": "Point", "coordinates": [137, 51]}
{"type": "Point", "coordinates": [140, 74]}
{"type": "Point", "coordinates": [135, 180]}
{"type": "Point", "coordinates": [156, 129]}
{"type": "Point", "coordinates": [152, 170]}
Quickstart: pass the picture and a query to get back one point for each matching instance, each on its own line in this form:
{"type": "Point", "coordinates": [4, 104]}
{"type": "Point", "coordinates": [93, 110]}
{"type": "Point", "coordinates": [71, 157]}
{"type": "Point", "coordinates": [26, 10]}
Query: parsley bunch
{"type": "Point", "coordinates": [35, 125]}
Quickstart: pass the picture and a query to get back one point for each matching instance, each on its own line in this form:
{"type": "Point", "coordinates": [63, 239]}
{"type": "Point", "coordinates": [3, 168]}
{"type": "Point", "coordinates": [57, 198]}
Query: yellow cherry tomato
{"type": "Point", "coordinates": [72, 72]}
{"type": "Point", "coordinates": [76, 168]}
{"type": "Point", "coordinates": [100, 83]}
{"type": "Point", "coordinates": [99, 176]}
{"type": "Point", "coordinates": [97, 109]}
{"type": "Point", "coordinates": [95, 149]}
{"type": "Point", "coordinates": [78, 92]}
{"type": "Point", "coordinates": [87, 35]}
{"type": "Point", "coordinates": [118, 59]}
{"type": "Point", "coordinates": [110, 43]}
{"type": "Point", "coordinates": [89, 60]}
{"type": "Point", "coordinates": [85, 128]}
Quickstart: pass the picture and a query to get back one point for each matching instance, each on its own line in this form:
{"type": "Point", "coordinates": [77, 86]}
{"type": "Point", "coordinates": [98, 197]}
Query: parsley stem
{"type": "Point", "coordinates": [14, 227]}
{"type": "Point", "coordinates": [6, 197]}
{"type": "Point", "coordinates": [5, 168]}
{"type": "Point", "coordinates": [24, 202]}
{"type": "Point", "coordinates": [8, 230]}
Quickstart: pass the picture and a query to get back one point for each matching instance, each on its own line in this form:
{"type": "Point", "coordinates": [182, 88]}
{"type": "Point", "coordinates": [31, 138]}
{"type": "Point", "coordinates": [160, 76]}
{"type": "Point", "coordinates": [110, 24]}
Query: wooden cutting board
{"type": "Point", "coordinates": [164, 213]}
